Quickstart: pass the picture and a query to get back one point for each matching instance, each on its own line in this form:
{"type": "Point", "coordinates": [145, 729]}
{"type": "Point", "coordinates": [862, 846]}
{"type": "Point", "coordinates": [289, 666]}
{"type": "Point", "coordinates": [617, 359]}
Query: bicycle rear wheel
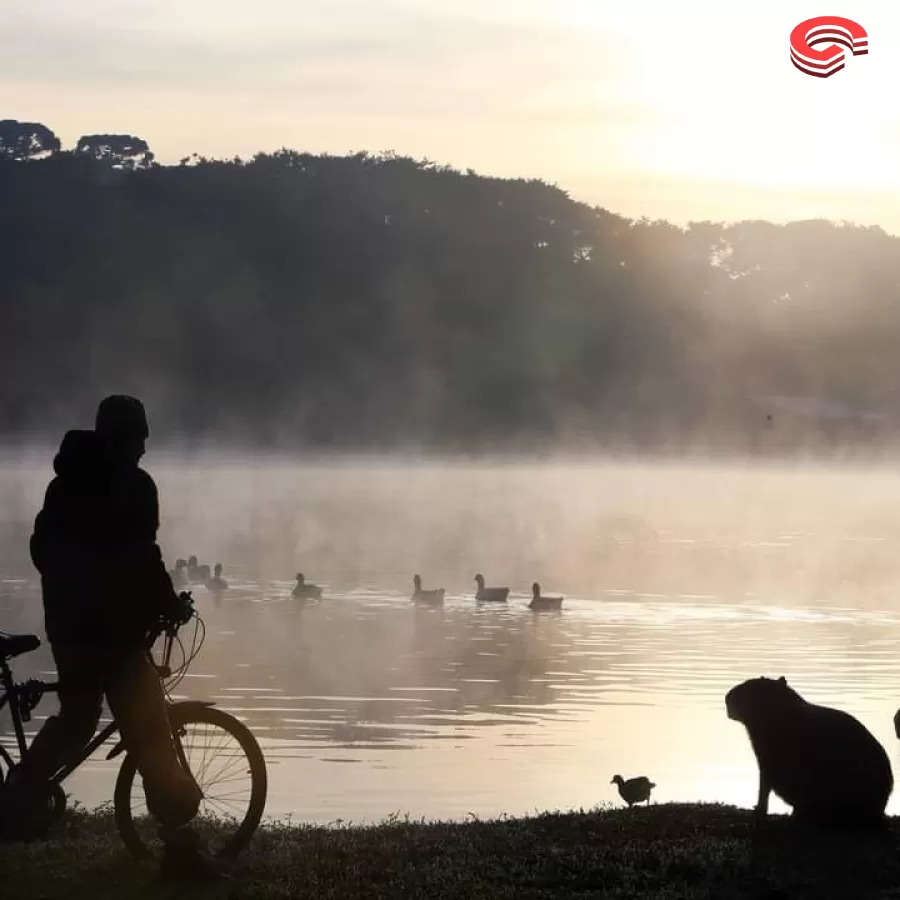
{"type": "Point", "coordinates": [227, 763]}
{"type": "Point", "coordinates": [55, 797]}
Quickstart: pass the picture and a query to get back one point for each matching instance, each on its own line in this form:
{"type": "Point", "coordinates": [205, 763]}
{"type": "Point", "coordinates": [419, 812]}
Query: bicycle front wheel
{"type": "Point", "coordinates": [228, 765]}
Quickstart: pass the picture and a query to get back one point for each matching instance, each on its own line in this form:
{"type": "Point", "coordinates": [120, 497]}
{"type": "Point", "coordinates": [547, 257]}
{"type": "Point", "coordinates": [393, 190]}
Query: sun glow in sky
{"type": "Point", "coordinates": [680, 111]}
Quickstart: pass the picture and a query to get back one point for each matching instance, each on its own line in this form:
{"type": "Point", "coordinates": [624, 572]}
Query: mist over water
{"type": "Point", "coordinates": [680, 580]}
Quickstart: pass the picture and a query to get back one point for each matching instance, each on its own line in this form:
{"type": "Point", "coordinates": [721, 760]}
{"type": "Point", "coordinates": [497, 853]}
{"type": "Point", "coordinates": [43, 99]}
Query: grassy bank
{"type": "Point", "coordinates": [666, 851]}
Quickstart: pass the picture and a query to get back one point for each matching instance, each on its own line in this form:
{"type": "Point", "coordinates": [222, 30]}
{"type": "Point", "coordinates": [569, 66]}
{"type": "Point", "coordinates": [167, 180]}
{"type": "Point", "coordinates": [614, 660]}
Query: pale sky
{"type": "Point", "coordinates": [684, 111]}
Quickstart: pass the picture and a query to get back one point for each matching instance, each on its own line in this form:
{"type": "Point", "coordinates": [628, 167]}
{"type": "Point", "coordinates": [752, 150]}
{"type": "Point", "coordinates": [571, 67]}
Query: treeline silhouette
{"type": "Point", "coordinates": [376, 300]}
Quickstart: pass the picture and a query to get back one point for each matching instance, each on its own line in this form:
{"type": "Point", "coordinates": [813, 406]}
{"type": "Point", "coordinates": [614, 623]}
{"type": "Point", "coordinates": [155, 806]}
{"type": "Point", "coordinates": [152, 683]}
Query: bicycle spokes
{"type": "Point", "coordinates": [220, 765]}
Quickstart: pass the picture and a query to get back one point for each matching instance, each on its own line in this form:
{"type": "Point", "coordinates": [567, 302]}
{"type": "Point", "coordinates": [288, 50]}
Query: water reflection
{"type": "Point", "coordinates": [367, 704]}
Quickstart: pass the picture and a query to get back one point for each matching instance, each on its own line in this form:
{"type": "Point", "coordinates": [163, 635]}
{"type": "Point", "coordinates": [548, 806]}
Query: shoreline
{"type": "Point", "coordinates": [661, 851]}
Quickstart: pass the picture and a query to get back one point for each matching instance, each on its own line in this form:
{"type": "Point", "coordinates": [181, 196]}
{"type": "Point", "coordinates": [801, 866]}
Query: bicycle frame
{"type": "Point", "coordinates": [11, 695]}
{"type": "Point", "coordinates": [13, 691]}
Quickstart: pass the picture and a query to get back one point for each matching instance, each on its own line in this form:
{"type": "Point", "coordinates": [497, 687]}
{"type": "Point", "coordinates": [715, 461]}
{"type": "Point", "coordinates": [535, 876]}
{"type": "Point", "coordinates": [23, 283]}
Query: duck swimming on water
{"type": "Point", "coordinates": [304, 591]}
{"type": "Point", "coordinates": [217, 582]}
{"type": "Point", "coordinates": [431, 597]}
{"type": "Point", "coordinates": [539, 601]}
{"type": "Point", "coordinates": [179, 574]}
{"type": "Point", "coordinates": [197, 574]}
{"type": "Point", "coordinates": [489, 594]}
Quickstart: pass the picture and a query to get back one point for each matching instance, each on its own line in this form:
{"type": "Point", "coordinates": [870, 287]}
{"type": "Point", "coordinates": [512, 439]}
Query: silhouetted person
{"type": "Point", "coordinates": [96, 534]}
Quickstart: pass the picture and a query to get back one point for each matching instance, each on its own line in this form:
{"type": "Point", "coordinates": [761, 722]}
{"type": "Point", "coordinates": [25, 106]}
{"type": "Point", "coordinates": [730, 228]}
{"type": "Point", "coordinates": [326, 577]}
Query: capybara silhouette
{"type": "Point", "coordinates": [822, 762]}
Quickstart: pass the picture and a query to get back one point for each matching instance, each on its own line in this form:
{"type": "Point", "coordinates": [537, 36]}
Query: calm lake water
{"type": "Point", "coordinates": [680, 581]}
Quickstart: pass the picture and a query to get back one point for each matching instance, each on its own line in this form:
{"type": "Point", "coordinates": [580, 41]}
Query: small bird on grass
{"type": "Point", "coordinates": [634, 790]}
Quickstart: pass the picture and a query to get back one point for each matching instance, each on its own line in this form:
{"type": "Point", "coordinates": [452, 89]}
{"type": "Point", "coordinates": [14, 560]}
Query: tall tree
{"type": "Point", "coordinates": [26, 140]}
{"type": "Point", "coordinates": [119, 151]}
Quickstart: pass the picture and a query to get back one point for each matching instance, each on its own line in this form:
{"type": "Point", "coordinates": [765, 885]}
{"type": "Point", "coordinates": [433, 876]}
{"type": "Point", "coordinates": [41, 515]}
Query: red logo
{"type": "Point", "coordinates": [821, 30]}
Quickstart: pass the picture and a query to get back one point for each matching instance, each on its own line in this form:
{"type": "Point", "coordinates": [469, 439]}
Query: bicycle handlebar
{"type": "Point", "coordinates": [169, 626]}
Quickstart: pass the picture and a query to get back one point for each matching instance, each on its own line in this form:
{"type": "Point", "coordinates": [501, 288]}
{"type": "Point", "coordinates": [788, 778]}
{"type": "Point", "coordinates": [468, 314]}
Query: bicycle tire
{"type": "Point", "coordinates": [181, 716]}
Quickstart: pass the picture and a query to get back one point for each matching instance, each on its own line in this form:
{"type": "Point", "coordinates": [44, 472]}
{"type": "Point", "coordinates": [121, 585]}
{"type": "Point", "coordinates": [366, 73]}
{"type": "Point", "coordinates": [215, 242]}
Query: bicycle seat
{"type": "Point", "coordinates": [12, 645]}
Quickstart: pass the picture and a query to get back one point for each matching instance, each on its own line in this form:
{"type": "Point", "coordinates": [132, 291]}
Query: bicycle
{"type": "Point", "coordinates": [232, 832]}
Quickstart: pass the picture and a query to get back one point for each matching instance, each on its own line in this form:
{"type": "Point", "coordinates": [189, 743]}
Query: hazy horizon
{"type": "Point", "coordinates": [584, 97]}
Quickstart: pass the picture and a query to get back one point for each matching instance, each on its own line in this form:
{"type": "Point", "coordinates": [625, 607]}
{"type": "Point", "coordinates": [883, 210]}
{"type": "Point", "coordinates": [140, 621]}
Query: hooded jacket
{"type": "Point", "coordinates": [94, 544]}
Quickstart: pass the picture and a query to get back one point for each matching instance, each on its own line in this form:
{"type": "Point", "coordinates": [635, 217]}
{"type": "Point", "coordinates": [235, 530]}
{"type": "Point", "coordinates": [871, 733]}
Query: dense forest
{"type": "Point", "coordinates": [294, 300]}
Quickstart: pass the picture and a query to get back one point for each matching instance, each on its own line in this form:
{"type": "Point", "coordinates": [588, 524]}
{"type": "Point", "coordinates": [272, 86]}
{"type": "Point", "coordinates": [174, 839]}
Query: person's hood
{"type": "Point", "coordinates": [83, 455]}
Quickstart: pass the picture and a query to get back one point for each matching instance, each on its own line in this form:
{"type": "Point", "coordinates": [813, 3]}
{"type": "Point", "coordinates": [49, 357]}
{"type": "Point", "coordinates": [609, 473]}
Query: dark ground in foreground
{"type": "Point", "coordinates": [665, 851]}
